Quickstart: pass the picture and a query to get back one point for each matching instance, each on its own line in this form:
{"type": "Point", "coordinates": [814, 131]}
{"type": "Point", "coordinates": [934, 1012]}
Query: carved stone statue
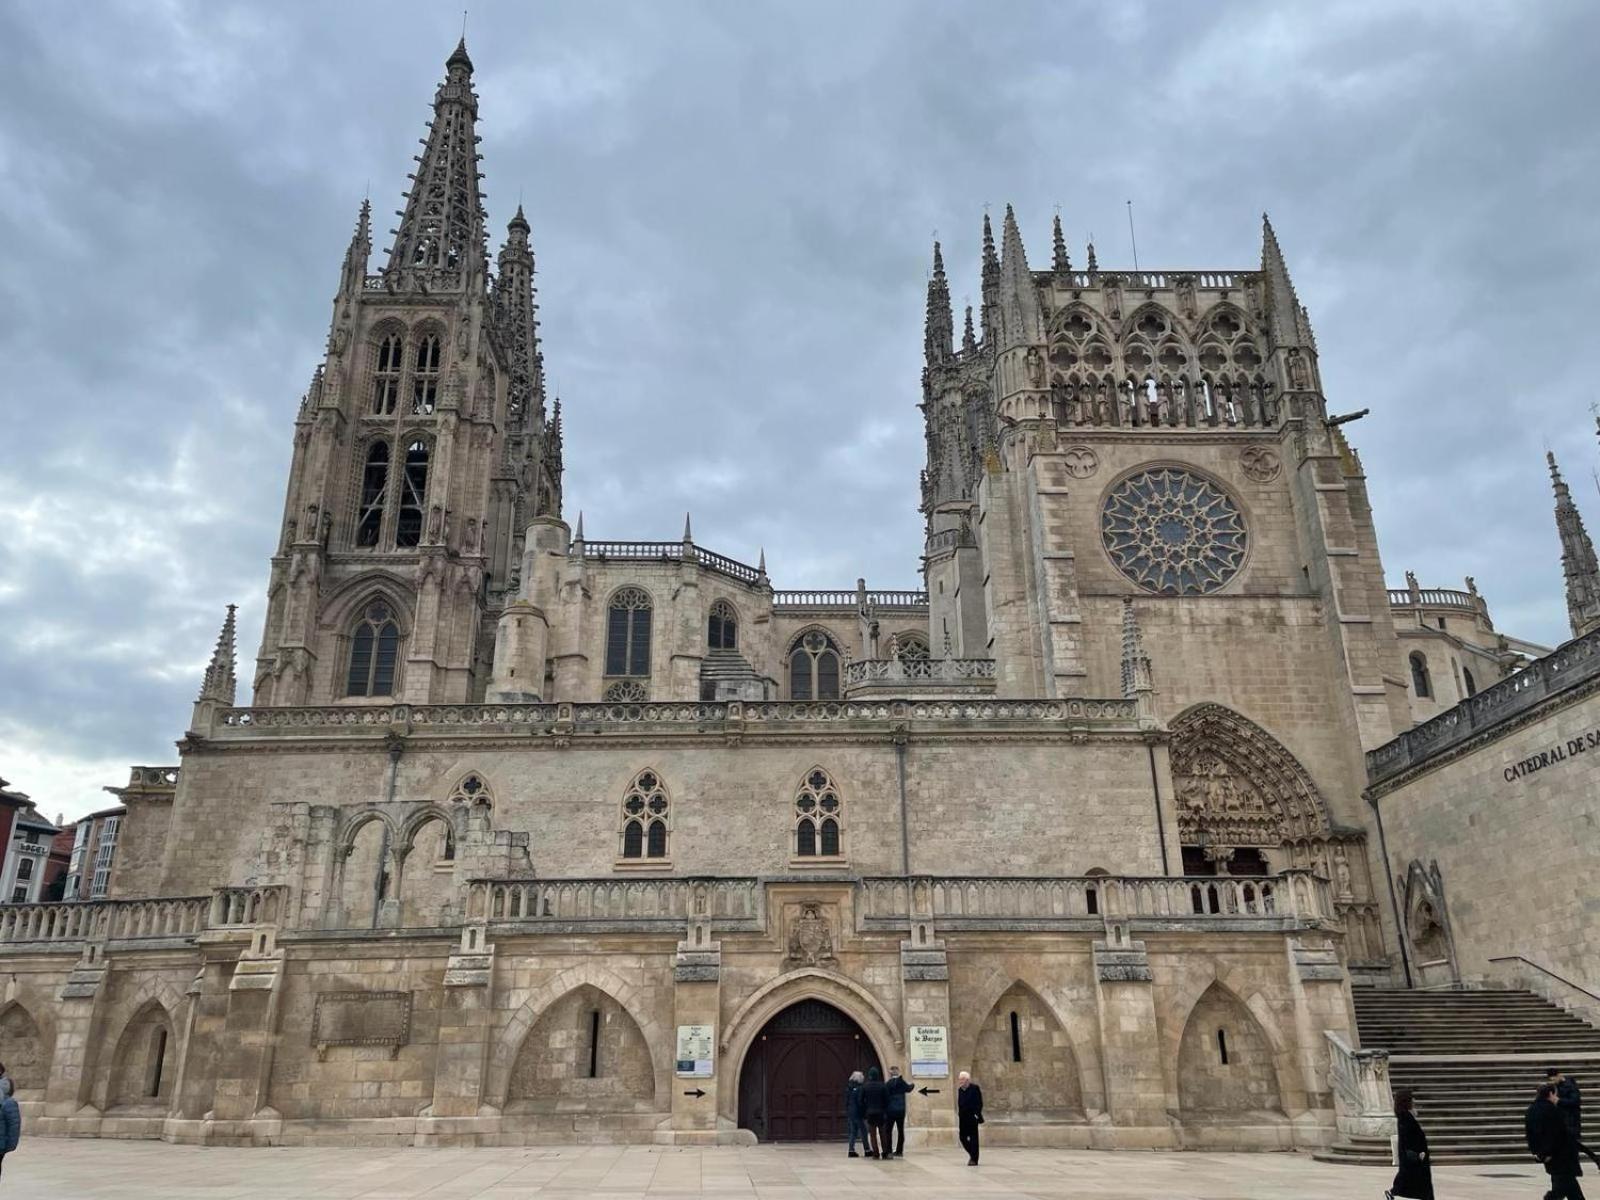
{"type": "Point", "coordinates": [1341, 874]}
{"type": "Point", "coordinates": [1299, 373]}
{"type": "Point", "coordinates": [810, 938]}
{"type": "Point", "coordinates": [1034, 364]}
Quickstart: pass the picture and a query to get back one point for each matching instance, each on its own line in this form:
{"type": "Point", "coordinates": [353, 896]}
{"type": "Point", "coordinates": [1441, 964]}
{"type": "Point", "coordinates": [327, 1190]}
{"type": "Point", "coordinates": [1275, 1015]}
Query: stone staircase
{"type": "Point", "coordinates": [1473, 1060]}
{"type": "Point", "coordinates": [727, 674]}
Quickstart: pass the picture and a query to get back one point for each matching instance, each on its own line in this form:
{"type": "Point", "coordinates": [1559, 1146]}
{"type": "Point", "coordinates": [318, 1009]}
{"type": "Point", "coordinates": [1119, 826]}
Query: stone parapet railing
{"type": "Point", "coordinates": [1111, 714]}
{"type": "Point", "coordinates": [102, 920]}
{"type": "Point", "coordinates": [613, 900]}
{"type": "Point", "coordinates": [1292, 896]}
{"type": "Point", "coordinates": [918, 672]}
{"type": "Point", "coordinates": [243, 907]}
{"type": "Point", "coordinates": [1567, 667]}
{"type": "Point", "coordinates": [671, 552]}
{"type": "Point", "coordinates": [1359, 1079]}
{"type": "Point", "coordinates": [1433, 598]}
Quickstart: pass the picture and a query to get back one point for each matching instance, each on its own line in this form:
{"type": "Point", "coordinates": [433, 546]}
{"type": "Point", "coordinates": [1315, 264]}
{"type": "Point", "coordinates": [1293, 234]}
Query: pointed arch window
{"type": "Point", "coordinates": [722, 632]}
{"type": "Point", "coordinates": [911, 648]}
{"type": "Point", "coordinates": [386, 375]}
{"type": "Point", "coordinates": [814, 668]}
{"type": "Point", "coordinates": [1421, 683]}
{"type": "Point", "coordinates": [818, 812]}
{"type": "Point", "coordinates": [1472, 684]}
{"type": "Point", "coordinates": [374, 651]}
{"type": "Point", "coordinates": [628, 633]}
{"type": "Point", "coordinates": [646, 809]}
{"type": "Point", "coordinates": [425, 376]}
{"type": "Point", "coordinates": [374, 489]}
{"type": "Point", "coordinates": [413, 492]}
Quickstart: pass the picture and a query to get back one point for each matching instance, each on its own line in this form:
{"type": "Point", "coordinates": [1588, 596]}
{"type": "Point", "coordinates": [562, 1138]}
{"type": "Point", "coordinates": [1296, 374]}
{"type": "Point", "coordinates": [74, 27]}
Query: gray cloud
{"type": "Point", "coordinates": [732, 206]}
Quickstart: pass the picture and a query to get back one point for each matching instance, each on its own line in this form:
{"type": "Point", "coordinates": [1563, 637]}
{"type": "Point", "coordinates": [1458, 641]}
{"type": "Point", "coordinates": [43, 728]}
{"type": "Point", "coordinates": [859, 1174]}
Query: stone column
{"type": "Point", "coordinates": [1130, 1053]}
{"type": "Point", "coordinates": [697, 1000]}
{"type": "Point", "coordinates": [466, 1019]}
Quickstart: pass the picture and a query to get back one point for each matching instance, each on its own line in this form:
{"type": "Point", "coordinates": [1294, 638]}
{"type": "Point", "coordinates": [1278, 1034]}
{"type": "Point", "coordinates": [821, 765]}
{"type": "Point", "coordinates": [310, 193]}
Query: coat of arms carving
{"type": "Point", "coordinates": [810, 938]}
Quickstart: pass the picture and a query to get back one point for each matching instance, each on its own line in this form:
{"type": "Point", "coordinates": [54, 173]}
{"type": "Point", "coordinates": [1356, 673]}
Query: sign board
{"type": "Point", "coordinates": [695, 1050]}
{"type": "Point", "coordinates": [929, 1047]}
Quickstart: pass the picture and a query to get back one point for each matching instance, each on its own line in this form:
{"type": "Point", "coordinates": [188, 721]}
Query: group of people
{"type": "Point", "coordinates": [875, 1113]}
{"type": "Point", "coordinates": [10, 1116]}
{"type": "Point", "coordinates": [1553, 1125]}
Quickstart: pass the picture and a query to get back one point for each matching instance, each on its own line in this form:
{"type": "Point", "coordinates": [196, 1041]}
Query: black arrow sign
{"type": "Point", "coordinates": [697, 1093]}
{"type": "Point", "coordinates": [928, 1091]}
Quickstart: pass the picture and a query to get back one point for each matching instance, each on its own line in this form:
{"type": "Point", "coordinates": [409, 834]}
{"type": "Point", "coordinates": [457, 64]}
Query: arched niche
{"type": "Point", "coordinates": [144, 1063]}
{"type": "Point", "coordinates": [1225, 1061]}
{"type": "Point", "coordinates": [27, 1054]}
{"type": "Point", "coordinates": [585, 1053]}
{"type": "Point", "coordinates": [1023, 1059]}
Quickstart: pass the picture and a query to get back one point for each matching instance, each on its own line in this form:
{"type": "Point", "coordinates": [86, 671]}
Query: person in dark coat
{"type": "Point", "coordinates": [854, 1123]}
{"type": "Point", "coordinates": [1568, 1100]}
{"type": "Point", "coordinates": [1415, 1176]}
{"type": "Point", "coordinates": [875, 1107]}
{"type": "Point", "coordinates": [894, 1130]}
{"type": "Point", "coordinates": [10, 1121]}
{"type": "Point", "coordinates": [1557, 1148]}
{"type": "Point", "coordinates": [969, 1115]}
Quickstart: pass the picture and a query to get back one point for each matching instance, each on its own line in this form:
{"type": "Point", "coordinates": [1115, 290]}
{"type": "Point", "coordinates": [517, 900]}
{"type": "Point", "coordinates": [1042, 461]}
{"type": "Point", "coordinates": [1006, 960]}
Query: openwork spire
{"type": "Point", "coordinates": [939, 327]}
{"type": "Point", "coordinates": [1577, 558]}
{"type": "Point", "coordinates": [1060, 262]}
{"type": "Point", "coordinates": [518, 316]}
{"type": "Point", "coordinates": [219, 682]}
{"type": "Point", "coordinates": [358, 252]}
{"type": "Point", "coordinates": [440, 237]}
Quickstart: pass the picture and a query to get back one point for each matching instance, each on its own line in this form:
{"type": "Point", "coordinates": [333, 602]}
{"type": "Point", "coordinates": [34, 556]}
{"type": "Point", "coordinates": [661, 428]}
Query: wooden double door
{"type": "Point", "coordinates": [793, 1083]}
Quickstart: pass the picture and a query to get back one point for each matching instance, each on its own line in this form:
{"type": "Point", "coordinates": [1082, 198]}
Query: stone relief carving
{"type": "Point", "coordinates": [810, 938]}
{"type": "Point", "coordinates": [1260, 463]}
{"type": "Point", "coordinates": [1081, 462]}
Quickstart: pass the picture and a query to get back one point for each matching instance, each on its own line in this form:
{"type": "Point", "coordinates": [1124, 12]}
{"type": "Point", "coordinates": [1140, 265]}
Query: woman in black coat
{"type": "Point", "coordinates": [1414, 1179]}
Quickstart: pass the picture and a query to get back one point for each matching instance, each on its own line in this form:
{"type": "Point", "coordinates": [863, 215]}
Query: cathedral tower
{"type": "Point", "coordinates": [421, 449]}
{"type": "Point", "coordinates": [1577, 558]}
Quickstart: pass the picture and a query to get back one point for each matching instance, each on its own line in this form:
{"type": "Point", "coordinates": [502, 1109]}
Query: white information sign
{"type": "Point", "coordinates": [695, 1053]}
{"type": "Point", "coordinates": [929, 1047]}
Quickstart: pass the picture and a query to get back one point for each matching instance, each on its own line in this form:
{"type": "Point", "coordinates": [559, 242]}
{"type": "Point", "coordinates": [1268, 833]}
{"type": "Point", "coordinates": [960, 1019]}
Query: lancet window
{"type": "Point", "coordinates": [814, 668]}
{"type": "Point", "coordinates": [413, 493]}
{"type": "Point", "coordinates": [722, 631]}
{"type": "Point", "coordinates": [628, 633]}
{"type": "Point", "coordinates": [374, 491]}
{"type": "Point", "coordinates": [374, 652]}
{"type": "Point", "coordinates": [1421, 681]}
{"type": "Point", "coordinates": [386, 375]}
{"type": "Point", "coordinates": [646, 809]}
{"type": "Point", "coordinates": [817, 815]}
{"type": "Point", "coordinates": [425, 376]}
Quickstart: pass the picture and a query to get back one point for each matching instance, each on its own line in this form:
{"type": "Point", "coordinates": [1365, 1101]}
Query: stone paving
{"type": "Point", "coordinates": [88, 1169]}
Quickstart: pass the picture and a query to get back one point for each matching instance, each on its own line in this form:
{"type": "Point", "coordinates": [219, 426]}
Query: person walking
{"type": "Point", "coordinates": [10, 1120]}
{"type": "Point", "coordinates": [1569, 1100]}
{"type": "Point", "coordinates": [1414, 1178]}
{"type": "Point", "coordinates": [852, 1112]}
{"type": "Point", "coordinates": [969, 1115]}
{"type": "Point", "coordinates": [874, 1107]}
{"type": "Point", "coordinates": [895, 1126]}
{"type": "Point", "coordinates": [1556, 1147]}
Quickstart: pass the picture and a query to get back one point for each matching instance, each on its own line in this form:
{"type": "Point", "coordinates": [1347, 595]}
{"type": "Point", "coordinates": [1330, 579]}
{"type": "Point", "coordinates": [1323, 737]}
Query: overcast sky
{"type": "Point", "coordinates": [732, 207]}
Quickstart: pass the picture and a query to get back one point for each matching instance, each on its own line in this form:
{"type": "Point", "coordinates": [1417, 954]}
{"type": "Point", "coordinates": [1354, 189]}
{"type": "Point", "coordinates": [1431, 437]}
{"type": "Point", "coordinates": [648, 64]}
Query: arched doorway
{"type": "Point", "coordinates": [791, 1088]}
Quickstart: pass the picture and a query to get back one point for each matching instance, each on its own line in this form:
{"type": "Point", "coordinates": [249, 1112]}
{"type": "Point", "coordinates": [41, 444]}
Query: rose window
{"type": "Point", "coordinates": [1173, 532]}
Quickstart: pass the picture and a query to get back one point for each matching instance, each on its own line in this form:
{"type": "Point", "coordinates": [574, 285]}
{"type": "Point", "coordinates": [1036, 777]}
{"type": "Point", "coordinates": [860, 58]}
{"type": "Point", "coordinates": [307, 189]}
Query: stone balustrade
{"type": "Point", "coordinates": [103, 920]}
{"type": "Point", "coordinates": [1359, 1079]}
{"type": "Point", "coordinates": [1433, 598]}
{"type": "Point", "coordinates": [370, 720]}
{"type": "Point", "coordinates": [1294, 896]}
{"type": "Point", "coordinates": [242, 907]}
{"type": "Point", "coordinates": [918, 672]}
{"type": "Point", "coordinates": [562, 900]}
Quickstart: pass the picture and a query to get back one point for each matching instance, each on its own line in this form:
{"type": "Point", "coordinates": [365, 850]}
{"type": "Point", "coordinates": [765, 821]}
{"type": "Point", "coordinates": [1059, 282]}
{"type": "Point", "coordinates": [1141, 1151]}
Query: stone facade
{"type": "Point", "coordinates": [514, 808]}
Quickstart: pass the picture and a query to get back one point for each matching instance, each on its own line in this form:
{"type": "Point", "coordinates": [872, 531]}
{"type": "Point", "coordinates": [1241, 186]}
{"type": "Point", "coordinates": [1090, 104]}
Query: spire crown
{"type": "Point", "coordinates": [459, 57]}
{"type": "Point", "coordinates": [219, 683]}
{"type": "Point", "coordinates": [939, 325]}
{"type": "Point", "coordinates": [1578, 562]}
{"type": "Point", "coordinates": [1061, 264]}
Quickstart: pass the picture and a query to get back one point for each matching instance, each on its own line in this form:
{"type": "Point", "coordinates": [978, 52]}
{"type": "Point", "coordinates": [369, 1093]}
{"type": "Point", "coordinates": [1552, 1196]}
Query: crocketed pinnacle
{"type": "Point", "coordinates": [442, 224]}
{"type": "Point", "coordinates": [1135, 662]}
{"type": "Point", "coordinates": [991, 283]}
{"type": "Point", "coordinates": [939, 327]}
{"type": "Point", "coordinates": [969, 341]}
{"type": "Point", "coordinates": [1286, 321]}
{"type": "Point", "coordinates": [518, 316]}
{"type": "Point", "coordinates": [219, 682]}
{"type": "Point", "coordinates": [1577, 558]}
{"type": "Point", "coordinates": [1060, 263]}
{"type": "Point", "coordinates": [1094, 264]}
{"type": "Point", "coordinates": [1021, 317]}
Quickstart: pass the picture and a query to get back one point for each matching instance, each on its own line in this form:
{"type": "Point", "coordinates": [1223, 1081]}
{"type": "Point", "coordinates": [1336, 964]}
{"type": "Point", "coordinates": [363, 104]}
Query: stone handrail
{"type": "Point", "coordinates": [103, 920]}
{"type": "Point", "coordinates": [241, 907]}
{"type": "Point", "coordinates": [1433, 598]}
{"type": "Point", "coordinates": [1363, 1104]}
{"type": "Point", "coordinates": [1294, 894]}
{"type": "Point", "coordinates": [814, 598]}
{"type": "Point", "coordinates": [1565, 667]}
{"type": "Point", "coordinates": [668, 552]}
{"type": "Point", "coordinates": [1513, 970]}
{"type": "Point", "coordinates": [607, 899]}
{"type": "Point", "coordinates": [916, 670]}
{"type": "Point", "coordinates": [707, 716]}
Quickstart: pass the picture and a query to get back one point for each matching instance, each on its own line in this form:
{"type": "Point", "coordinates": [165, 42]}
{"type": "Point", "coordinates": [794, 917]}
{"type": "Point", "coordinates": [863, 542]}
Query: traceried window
{"type": "Point", "coordinates": [645, 810]}
{"type": "Point", "coordinates": [386, 375]}
{"type": "Point", "coordinates": [413, 493]}
{"type": "Point", "coordinates": [911, 647]}
{"type": "Point", "coordinates": [374, 650]}
{"type": "Point", "coordinates": [1173, 532]}
{"type": "Point", "coordinates": [628, 691]}
{"type": "Point", "coordinates": [628, 633]}
{"type": "Point", "coordinates": [814, 668]}
{"type": "Point", "coordinates": [425, 376]}
{"type": "Point", "coordinates": [817, 813]}
{"type": "Point", "coordinates": [374, 488]}
{"type": "Point", "coordinates": [1421, 684]}
{"type": "Point", "coordinates": [722, 632]}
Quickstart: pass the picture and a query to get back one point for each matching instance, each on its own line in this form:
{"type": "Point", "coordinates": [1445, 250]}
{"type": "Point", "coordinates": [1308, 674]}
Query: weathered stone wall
{"type": "Point", "coordinates": [1515, 855]}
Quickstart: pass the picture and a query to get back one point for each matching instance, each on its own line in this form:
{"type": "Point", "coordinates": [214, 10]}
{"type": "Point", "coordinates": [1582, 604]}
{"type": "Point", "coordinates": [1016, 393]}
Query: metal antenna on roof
{"type": "Point", "coordinates": [1132, 240]}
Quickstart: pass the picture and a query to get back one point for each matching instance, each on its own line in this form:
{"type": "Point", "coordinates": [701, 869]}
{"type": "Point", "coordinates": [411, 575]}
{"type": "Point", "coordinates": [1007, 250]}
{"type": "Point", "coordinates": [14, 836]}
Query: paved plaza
{"type": "Point", "coordinates": [85, 1169]}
